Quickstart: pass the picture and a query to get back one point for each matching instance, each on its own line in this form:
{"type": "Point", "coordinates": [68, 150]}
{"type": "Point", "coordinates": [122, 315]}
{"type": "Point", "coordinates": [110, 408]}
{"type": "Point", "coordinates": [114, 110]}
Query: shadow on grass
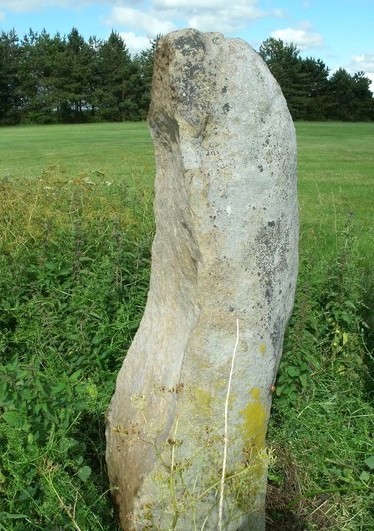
{"type": "Point", "coordinates": [368, 318]}
{"type": "Point", "coordinates": [92, 427]}
{"type": "Point", "coordinates": [286, 509]}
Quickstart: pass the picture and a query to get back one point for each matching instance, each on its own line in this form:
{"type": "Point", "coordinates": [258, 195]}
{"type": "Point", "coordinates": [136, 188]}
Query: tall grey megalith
{"type": "Point", "coordinates": [186, 426]}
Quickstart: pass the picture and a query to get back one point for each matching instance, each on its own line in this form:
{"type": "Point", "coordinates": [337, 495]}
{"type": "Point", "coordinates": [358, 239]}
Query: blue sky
{"type": "Point", "coordinates": [340, 32]}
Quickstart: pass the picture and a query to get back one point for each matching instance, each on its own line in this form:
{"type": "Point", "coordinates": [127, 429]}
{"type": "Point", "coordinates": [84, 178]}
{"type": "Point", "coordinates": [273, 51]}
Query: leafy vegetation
{"type": "Point", "coordinates": [322, 417]}
{"type": "Point", "coordinates": [64, 79]}
{"type": "Point", "coordinates": [76, 227]}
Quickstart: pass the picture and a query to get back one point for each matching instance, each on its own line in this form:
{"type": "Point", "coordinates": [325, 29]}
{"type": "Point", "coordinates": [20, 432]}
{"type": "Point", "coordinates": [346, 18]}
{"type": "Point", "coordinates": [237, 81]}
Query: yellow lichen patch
{"type": "Point", "coordinates": [253, 430]}
{"type": "Point", "coordinates": [262, 348]}
{"type": "Point", "coordinates": [203, 399]}
{"type": "Point", "coordinates": [254, 422]}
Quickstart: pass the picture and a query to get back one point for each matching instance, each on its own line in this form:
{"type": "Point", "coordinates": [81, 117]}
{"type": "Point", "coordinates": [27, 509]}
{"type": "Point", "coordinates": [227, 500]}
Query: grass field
{"type": "Point", "coordinates": [112, 151]}
{"type": "Point", "coordinates": [336, 179]}
{"type": "Point", "coordinates": [76, 227]}
{"type": "Point", "coordinates": [336, 163]}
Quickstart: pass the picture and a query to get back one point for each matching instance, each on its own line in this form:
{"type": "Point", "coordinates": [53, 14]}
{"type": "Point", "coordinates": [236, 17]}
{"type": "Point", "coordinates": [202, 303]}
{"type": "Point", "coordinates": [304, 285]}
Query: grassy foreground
{"type": "Point", "coordinates": [76, 226]}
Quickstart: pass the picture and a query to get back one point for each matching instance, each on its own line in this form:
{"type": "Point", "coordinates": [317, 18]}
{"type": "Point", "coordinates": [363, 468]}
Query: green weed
{"type": "Point", "coordinates": [322, 414]}
{"type": "Point", "coordinates": [74, 274]}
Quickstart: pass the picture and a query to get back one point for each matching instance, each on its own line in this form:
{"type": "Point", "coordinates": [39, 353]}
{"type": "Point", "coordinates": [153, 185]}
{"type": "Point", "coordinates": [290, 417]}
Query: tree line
{"type": "Point", "coordinates": [66, 79]}
{"type": "Point", "coordinates": [310, 91]}
{"type": "Point", "coordinates": [55, 79]}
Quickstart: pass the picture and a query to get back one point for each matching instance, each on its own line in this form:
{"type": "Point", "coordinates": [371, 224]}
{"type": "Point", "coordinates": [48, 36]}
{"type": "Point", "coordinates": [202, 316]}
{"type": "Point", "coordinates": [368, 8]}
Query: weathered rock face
{"type": "Point", "coordinates": [224, 254]}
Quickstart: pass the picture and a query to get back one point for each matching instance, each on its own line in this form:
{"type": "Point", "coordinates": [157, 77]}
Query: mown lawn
{"type": "Point", "coordinates": [76, 226]}
{"type": "Point", "coordinates": [336, 180]}
{"type": "Point", "coordinates": [28, 151]}
{"type": "Point", "coordinates": [336, 163]}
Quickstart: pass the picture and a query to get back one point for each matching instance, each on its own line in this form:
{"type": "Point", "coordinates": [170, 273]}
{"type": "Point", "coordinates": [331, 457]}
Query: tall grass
{"type": "Point", "coordinates": [76, 225]}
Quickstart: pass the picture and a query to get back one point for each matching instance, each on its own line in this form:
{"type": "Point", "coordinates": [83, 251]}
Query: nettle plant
{"type": "Point", "coordinates": [326, 328]}
{"type": "Point", "coordinates": [74, 277]}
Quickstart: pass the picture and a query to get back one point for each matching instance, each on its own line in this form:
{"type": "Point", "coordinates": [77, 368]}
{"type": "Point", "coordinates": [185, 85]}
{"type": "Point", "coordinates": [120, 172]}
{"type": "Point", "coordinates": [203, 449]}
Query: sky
{"type": "Point", "coordinates": [340, 32]}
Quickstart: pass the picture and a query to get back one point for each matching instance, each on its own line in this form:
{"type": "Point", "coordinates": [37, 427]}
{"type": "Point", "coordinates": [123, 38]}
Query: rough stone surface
{"type": "Point", "coordinates": [225, 252]}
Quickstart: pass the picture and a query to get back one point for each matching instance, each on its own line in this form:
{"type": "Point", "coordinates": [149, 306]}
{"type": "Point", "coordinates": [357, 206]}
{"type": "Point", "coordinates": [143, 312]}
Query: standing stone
{"type": "Point", "coordinates": [224, 257]}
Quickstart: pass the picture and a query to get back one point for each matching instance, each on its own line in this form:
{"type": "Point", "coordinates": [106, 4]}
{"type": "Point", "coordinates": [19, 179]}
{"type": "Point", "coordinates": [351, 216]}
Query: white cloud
{"type": "Point", "coordinates": [163, 16]}
{"type": "Point", "coordinates": [28, 5]}
{"type": "Point", "coordinates": [2, 16]}
{"type": "Point", "coordinates": [302, 36]}
{"type": "Point", "coordinates": [225, 20]}
{"type": "Point", "coordinates": [218, 10]}
{"type": "Point", "coordinates": [151, 23]}
{"type": "Point", "coordinates": [187, 4]}
{"type": "Point", "coordinates": [210, 22]}
{"type": "Point", "coordinates": [135, 43]}
{"type": "Point", "coordinates": [363, 63]}
{"type": "Point", "coordinates": [21, 6]}
{"type": "Point", "coordinates": [24, 6]}
{"type": "Point", "coordinates": [204, 5]}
